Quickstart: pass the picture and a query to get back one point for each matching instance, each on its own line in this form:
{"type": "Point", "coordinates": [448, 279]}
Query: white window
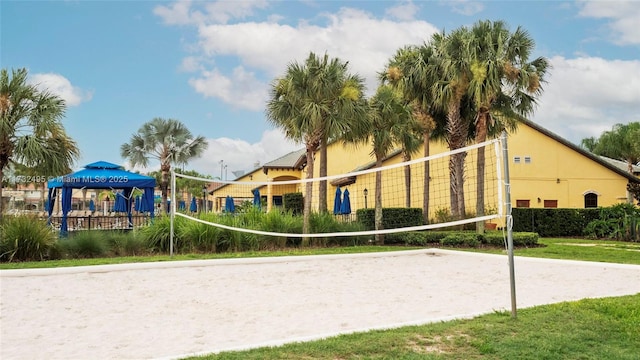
{"type": "Point", "coordinates": [516, 159]}
{"type": "Point", "coordinates": [527, 159]}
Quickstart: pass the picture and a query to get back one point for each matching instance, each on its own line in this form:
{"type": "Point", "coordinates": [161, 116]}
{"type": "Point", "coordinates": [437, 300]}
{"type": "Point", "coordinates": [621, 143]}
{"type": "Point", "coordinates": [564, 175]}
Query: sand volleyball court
{"type": "Point", "coordinates": [174, 309]}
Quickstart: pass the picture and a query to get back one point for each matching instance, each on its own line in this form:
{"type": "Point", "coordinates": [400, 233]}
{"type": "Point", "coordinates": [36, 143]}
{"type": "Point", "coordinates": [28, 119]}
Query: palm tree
{"type": "Point", "coordinates": [31, 131]}
{"type": "Point", "coordinates": [589, 143]}
{"type": "Point", "coordinates": [338, 96]}
{"type": "Point", "coordinates": [450, 67]}
{"type": "Point", "coordinates": [503, 85]}
{"type": "Point", "coordinates": [166, 140]}
{"type": "Point", "coordinates": [408, 71]}
{"type": "Point", "coordinates": [622, 142]}
{"type": "Point", "coordinates": [390, 118]}
{"type": "Point", "coordinates": [313, 103]}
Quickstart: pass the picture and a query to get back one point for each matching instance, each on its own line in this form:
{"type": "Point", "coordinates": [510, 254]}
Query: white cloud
{"type": "Point", "coordinates": [178, 13]}
{"type": "Point", "coordinates": [60, 86]}
{"type": "Point", "coordinates": [240, 155]}
{"type": "Point", "coordinates": [405, 11]}
{"type": "Point", "coordinates": [191, 64]}
{"type": "Point", "coordinates": [219, 12]}
{"type": "Point", "coordinates": [241, 89]}
{"type": "Point", "coordinates": [465, 7]}
{"type": "Point", "coordinates": [267, 48]}
{"type": "Point", "coordinates": [587, 95]}
{"type": "Point", "coordinates": [624, 16]}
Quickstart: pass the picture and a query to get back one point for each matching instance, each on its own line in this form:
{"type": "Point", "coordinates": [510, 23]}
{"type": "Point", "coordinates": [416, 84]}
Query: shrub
{"type": "Point", "coordinates": [157, 234]}
{"type": "Point", "coordinates": [85, 244]}
{"type": "Point", "coordinates": [351, 226]}
{"type": "Point", "coordinates": [25, 238]}
{"type": "Point", "coordinates": [200, 237]}
{"type": "Point", "coordinates": [407, 238]}
{"type": "Point", "coordinates": [453, 240]}
{"type": "Point", "coordinates": [322, 223]}
{"type": "Point", "coordinates": [392, 218]}
{"type": "Point", "coordinates": [125, 243]}
{"type": "Point", "coordinates": [286, 222]}
{"type": "Point", "coordinates": [293, 202]}
{"type": "Point", "coordinates": [598, 229]}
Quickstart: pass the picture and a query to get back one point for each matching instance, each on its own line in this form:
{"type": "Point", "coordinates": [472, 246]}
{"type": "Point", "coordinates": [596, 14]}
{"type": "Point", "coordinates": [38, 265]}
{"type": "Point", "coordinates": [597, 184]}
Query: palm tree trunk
{"type": "Point", "coordinates": [378, 211]}
{"type": "Point", "coordinates": [457, 139]}
{"type": "Point", "coordinates": [322, 189]}
{"type": "Point", "coordinates": [460, 178]}
{"type": "Point", "coordinates": [164, 186]}
{"type": "Point", "coordinates": [427, 179]}
{"type": "Point", "coordinates": [629, 194]}
{"type": "Point", "coordinates": [44, 187]}
{"type": "Point", "coordinates": [308, 193]}
{"type": "Point", "coordinates": [1, 187]}
{"type": "Point", "coordinates": [407, 180]}
{"type": "Point", "coordinates": [481, 136]}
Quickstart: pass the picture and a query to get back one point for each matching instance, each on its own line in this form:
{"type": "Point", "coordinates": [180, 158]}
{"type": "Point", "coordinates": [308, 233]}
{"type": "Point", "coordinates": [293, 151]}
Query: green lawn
{"type": "Point", "coordinates": [579, 249]}
{"type": "Point", "coordinates": [588, 329]}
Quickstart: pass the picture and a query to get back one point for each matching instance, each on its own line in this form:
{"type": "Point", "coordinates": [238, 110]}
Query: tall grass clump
{"type": "Point", "coordinates": [125, 243]}
{"type": "Point", "coordinates": [280, 222]}
{"type": "Point", "coordinates": [201, 237]}
{"type": "Point", "coordinates": [323, 223]}
{"type": "Point", "coordinates": [351, 240]}
{"type": "Point", "coordinates": [25, 238]}
{"type": "Point", "coordinates": [85, 244]}
{"type": "Point", "coordinates": [157, 235]}
{"type": "Point", "coordinates": [233, 240]}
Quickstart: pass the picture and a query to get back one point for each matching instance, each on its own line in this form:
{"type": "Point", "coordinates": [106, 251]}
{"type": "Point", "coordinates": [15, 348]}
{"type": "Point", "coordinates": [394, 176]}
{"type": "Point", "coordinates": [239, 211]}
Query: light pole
{"type": "Point", "coordinates": [221, 168]}
{"type": "Point", "coordinates": [365, 192]}
{"type": "Point", "coordinates": [225, 172]}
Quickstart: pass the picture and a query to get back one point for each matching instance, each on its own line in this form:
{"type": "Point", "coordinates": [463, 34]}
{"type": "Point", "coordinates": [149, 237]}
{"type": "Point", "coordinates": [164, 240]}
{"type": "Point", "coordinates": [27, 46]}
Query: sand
{"type": "Point", "coordinates": [171, 310]}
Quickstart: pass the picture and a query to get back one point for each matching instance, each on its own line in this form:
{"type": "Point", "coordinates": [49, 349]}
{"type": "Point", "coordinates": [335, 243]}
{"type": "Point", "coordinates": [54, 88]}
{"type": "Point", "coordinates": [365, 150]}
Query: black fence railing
{"type": "Point", "coordinates": [106, 222]}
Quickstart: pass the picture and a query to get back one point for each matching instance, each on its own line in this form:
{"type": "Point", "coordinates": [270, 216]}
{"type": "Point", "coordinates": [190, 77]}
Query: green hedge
{"type": "Point", "coordinates": [553, 222]}
{"type": "Point", "coordinates": [293, 202]}
{"type": "Point", "coordinates": [461, 238]}
{"type": "Point", "coordinates": [392, 218]}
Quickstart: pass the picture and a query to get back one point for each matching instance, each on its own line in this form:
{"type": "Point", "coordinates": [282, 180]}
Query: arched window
{"type": "Point", "coordinates": [590, 200]}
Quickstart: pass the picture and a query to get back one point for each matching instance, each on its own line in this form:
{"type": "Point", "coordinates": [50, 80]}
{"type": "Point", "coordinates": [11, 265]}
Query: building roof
{"type": "Point", "coordinates": [588, 154]}
{"type": "Point", "coordinates": [621, 165]}
{"type": "Point", "coordinates": [293, 160]}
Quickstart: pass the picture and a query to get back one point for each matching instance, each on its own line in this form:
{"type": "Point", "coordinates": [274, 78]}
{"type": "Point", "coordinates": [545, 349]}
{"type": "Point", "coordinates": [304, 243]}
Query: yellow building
{"type": "Point", "coordinates": [286, 168]}
{"type": "Point", "coordinates": [545, 171]}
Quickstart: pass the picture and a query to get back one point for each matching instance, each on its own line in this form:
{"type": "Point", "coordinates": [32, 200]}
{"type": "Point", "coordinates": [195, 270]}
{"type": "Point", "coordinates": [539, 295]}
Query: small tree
{"type": "Point", "coordinates": [31, 130]}
{"type": "Point", "coordinates": [622, 142]}
{"type": "Point", "coordinates": [166, 140]}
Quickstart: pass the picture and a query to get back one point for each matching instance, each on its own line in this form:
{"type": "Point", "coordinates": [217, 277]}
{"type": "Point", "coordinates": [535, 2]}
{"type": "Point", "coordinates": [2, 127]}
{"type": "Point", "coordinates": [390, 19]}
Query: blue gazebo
{"type": "Point", "coordinates": [100, 175]}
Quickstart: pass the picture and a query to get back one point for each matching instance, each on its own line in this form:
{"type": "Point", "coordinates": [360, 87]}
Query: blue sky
{"type": "Point", "coordinates": [119, 64]}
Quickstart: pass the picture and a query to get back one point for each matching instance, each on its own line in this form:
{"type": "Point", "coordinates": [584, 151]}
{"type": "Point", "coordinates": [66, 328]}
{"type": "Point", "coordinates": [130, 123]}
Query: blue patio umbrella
{"type": "Point", "coordinates": [138, 204]}
{"type": "Point", "coordinates": [256, 198]}
{"type": "Point", "coordinates": [120, 204]}
{"type": "Point", "coordinates": [345, 207]}
{"type": "Point", "coordinates": [229, 206]}
{"type": "Point", "coordinates": [337, 202]}
{"type": "Point", "coordinates": [92, 206]}
{"type": "Point", "coordinates": [146, 203]}
{"type": "Point", "coordinates": [51, 200]}
{"type": "Point", "coordinates": [193, 207]}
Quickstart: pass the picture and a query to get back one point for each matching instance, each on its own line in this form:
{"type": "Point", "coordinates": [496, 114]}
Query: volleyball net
{"type": "Point", "coordinates": [448, 189]}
